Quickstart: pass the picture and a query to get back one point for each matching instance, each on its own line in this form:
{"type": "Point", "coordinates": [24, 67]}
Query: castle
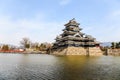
{"type": "Point", "coordinates": [73, 42]}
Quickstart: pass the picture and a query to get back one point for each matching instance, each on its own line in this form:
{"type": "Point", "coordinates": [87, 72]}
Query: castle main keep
{"type": "Point", "coordinates": [73, 42]}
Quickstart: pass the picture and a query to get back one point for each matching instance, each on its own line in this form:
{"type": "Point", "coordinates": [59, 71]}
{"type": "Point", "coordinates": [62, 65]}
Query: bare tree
{"type": "Point", "coordinates": [35, 46]}
{"type": "Point", "coordinates": [45, 46]}
{"type": "Point", "coordinates": [25, 42]}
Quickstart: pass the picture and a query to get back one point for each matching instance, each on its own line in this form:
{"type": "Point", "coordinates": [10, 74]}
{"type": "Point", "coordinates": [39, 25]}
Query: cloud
{"type": "Point", "coordinates": [115, 14]}
{"type": "Point", "coordinates": [65, 2]}
{"type": "Point", "coordinates": [110, 27]}
{"type": "Point", "coordinates": [35, 29]}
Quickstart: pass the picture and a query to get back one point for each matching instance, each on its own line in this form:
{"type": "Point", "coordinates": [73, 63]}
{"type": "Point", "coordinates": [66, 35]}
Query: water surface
{"type": "Point", "coordinates": [49, 67]}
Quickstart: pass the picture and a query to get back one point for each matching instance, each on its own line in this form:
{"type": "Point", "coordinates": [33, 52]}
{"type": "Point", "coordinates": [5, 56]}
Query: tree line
{"type": "Point", "coordinates": [115, 45]}
{"type": "Point", "coordinates": [26, 43]}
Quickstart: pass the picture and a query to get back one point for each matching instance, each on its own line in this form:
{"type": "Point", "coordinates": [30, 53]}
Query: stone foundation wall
{"type": "Point", "coordinates": [95, 51]}
{"type": "Point", "coordinates": [115, 52]}
{"type": "Point", "coordinates": [78, 51]}
{"type": "Point", "coordinates": [61, 51]}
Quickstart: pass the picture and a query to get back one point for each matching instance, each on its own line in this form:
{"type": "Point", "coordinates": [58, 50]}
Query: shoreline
{"type": "Point", "coordinates": [24, 52]}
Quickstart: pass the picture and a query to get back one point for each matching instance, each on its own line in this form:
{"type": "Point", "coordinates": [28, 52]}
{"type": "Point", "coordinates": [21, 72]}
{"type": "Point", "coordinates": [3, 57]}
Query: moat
{"type": "Point", "coordinates": [49, 67]}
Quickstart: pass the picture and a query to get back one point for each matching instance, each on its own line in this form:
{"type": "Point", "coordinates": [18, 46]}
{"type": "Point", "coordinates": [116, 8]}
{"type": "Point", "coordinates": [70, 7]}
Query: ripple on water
{"type": "Point", "coordinates": [47, 67]}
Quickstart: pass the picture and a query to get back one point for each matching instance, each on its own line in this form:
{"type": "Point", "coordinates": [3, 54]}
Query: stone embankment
{"type": "Point", "coordinates": [23, 52]}
{"type": "Point", "coordinates": [115, 52]}
{"type": "Point", "coordinates": [95, 51]}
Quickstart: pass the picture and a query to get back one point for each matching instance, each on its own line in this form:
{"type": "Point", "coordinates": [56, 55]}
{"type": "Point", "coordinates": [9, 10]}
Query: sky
{"type": "Point", "coordinates": [43, 20]}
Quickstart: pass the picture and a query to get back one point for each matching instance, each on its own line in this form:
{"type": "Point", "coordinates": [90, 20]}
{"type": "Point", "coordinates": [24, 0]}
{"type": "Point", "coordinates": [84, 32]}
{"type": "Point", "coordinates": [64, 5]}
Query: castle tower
{"type": "Point", "coordinates": [73, 37]}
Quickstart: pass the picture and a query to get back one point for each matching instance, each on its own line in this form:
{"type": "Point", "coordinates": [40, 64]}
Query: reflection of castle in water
{"type": "Point", "coordinates": [73, 37]}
